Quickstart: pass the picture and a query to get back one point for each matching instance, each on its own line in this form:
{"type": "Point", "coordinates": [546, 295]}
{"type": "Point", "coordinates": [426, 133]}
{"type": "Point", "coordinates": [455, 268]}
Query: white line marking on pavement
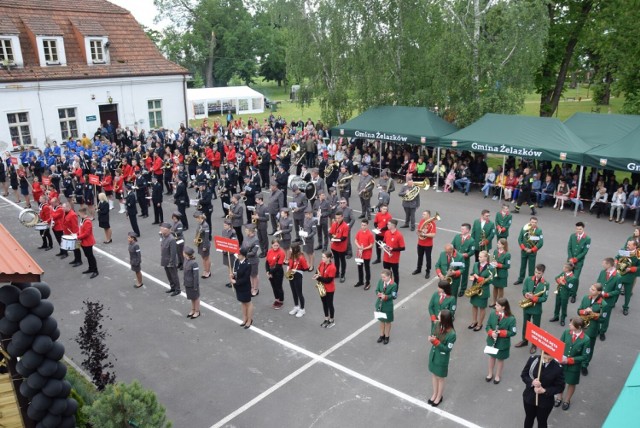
{"type": "Point", "coordinates": [315, 358]}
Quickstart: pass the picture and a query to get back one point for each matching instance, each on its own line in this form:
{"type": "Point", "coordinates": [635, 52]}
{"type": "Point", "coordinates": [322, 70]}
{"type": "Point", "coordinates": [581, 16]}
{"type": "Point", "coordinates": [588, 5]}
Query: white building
{"type": "Point", "coordinates": [68, 66]}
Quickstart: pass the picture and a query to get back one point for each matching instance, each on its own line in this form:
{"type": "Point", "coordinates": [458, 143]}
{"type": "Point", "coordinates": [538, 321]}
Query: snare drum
{"type": "Point", "coordinates": [68, 242]}
{"type": "Point", "coordinates": [194, 202]}
{"type": "Point", "coordinates": [41, 226]}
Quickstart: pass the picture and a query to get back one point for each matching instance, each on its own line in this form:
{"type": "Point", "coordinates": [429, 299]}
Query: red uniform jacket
{"type": "Point", "coordinates": [70, 223]}
{"type": "Point", "coordinates": [365, 238]}
{"type": "Point", "coordinates": [339, 231]}
{"type": "Point", "coordinates": [157, 166]}
{"type": "Point", "coordinates": [86, 233]}
{"type": "Point", "coordinates": [394, 240]}
{"type": "Point", "coordinates": [431, 228]}
{"type": "Point", "coordinates": [275, 257]}
{"type": "Point", "coordinates": [328, 271]}
{"type": "Point", "coordinates": [57, 215]}
{"type": "Point", "coordinates": [107, 183]}
{"type": "Point", "coordinates": [381, 221]}
{"type": "Point", "coordinates": [37, 192]}
{"type": "Point", "coordinates": [45, 213]}
{"type": "Point", "coordinates": [299, 264]}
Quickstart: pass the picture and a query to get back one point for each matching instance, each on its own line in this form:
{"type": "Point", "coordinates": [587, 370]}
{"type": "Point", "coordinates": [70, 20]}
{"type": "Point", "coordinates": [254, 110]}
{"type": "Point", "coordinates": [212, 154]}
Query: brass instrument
{"type": "Point", "coordinates": [623, 264]}
{"type": "Point", "coordinates": [295, 148]}
{"type": "Point", "coordinates": [167, 164]}
{"type": "Point", "coordinates": [527, 303]}
{"type": "Point", "coordinates": [187, 159]}
{"type": "Point", "coordinates": [198, 239]}
{"type": "Point", "coordinates": [589, 317]}
{"type": "Point", "coordinates": [476, 288]}
{"type": "Point", "coordinates": [291, 272]}
{"type": "Point", "coordinates": [259, 159]}
{"type": "Point", "coordinates": [145, 156]}
{"type": "Point", "coordinates": [322, 291]}
{"type": "Point", "coordinates": [367, 192]}
{"type": "Point", "coordinates": [561, 283]}
{"type": "Point", "coordinates": [483, 238]}
{"type": "Point", "coordinates": [422, 232]}
{"type": "Point", "coordinates": [328, 170]}
{"type": "Point", "coordinates": [344, 180]}
{"type": "Point", "coordinates": [448, 277]}
{"type": "Point", "coordinates": [284, 152]}
{"type": "Point", "coordinates": [29, 217]}
{"type": "Point", "coordinates": [302, 156]}
{"type": "Point", "coordinates": [384, 247]}
{"type": "Point", "coordinates": [200, 160]}
{"type": "Point", "coordinates": [415, 190]}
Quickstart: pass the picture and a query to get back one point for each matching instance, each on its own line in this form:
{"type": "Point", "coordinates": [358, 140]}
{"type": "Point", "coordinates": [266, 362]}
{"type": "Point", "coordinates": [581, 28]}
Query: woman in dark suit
{"type": "Point", "coordinates": [241, 279]}
{"type": "Point", "coordinates": [549, 383]}
{"type": "Point", "coordinates": [103, 217]}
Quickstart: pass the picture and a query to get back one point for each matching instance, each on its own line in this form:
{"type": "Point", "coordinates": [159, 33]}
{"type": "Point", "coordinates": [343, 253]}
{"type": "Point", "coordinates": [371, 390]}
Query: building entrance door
{"type": "Point", "coordinates": [109, 112]}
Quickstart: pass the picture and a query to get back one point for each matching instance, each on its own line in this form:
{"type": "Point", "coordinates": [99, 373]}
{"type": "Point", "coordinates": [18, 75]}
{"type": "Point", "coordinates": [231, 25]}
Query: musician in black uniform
{"type": "Point", "coordinates": [232, 178]}
{"type": "Point", "coordinates": [167, 167]}
{"type": "Point", "coordinates": [260, 217]}
{"type": "Point", "coordinates": [265, 161]}
{"type": "Point", "coordinates": [140, 186]}
{"type": "Point", "coordinates": [282, 179]}
{"type": "Point", "coordinates": [156, 199]}
{"type": "Point", "coordinates": [204, 203]}
{"type": "Point", "coordinates": [249, 191]}
{"type": "Point", "coordinates": [132, 210]}
{"type": "Point", "coordinates": [181, 199]}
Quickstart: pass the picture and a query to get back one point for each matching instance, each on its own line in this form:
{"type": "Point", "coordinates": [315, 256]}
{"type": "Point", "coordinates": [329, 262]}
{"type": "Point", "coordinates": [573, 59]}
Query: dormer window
{"type": "Point", "coordinates": [6, 52]}
{"type": "Point", "coordinates": [50, 50]}
{"type": "Point", "coordinates": [96, 50]}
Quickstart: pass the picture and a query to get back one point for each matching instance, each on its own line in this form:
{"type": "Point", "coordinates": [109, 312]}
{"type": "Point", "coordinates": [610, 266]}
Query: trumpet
{"type": "Point", "coordinates": [384, 247]}
{"type": "Point", "coordinates": [589, 317]}
{"type": "Point", "coordinates": [527, 303]}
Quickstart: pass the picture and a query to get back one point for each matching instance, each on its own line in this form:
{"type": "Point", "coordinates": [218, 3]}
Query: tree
{"type": "Point", "coordinates": [127, 405]}
{"type": "Point", "coordinates": [91, 340]}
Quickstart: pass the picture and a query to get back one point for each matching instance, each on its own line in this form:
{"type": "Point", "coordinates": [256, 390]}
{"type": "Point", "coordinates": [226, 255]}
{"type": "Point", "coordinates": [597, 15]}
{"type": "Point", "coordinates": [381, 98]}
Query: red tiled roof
{"type": "Point", "coordinates": [131, 52]}
{"type": "Point", "coordinates": [89, 28]}
{"type": "Point", "coordinates": [41, 26]}
{"type": "Point", "coordinates": [7, 26]}
{"type": "Point", "coordinates": [14, 260]}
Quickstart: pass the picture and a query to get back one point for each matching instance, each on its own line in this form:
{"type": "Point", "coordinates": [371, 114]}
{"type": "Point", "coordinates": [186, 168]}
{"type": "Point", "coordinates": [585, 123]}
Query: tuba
{"type": "Point", "coordinates": [526, 303]}
{"type": "Point", "coordinates": [422, 232]}
{"type": "Point", "coordinates": [415, 190]}
{"type": "Point", "coordinates": [28, 217]}
{"type": "Point", "coordinates": [344, 180]}
{"type": "Point", "coordinates": [367, 192]}
{"type": "Point", "coordinates": [623, 264]}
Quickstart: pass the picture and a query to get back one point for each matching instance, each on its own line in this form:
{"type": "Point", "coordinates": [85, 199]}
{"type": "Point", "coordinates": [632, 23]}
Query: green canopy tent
{"type": "Point", "coordinates": [601, 129]}
{"type": "Point", "coordinates": [539, 138]}
{"type": "Point", "coordinates": [399, 124]}
{"type": "Point", "coordinates": [621, 155]}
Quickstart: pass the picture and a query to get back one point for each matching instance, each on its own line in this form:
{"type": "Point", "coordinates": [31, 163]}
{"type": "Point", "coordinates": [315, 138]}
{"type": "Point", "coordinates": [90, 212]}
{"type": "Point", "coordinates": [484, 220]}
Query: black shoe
{"type": "Point", "coordinates": [358, 284]}
{"type": "Point", "coordinates": [59, 254]}
{"type": "Point", "coordinates": [48, 249]}
{"type": "Point", "coordinates": [349, 256]}
{"type": "Point", "coordinates": [64, 256]}
{"type": "Point", "coordinates": [430, 402]}
{"type": "Point", "coordinates": [427, 275]}
{"type": "Point", "coordinates": [87, 271]}
{"type": "Point", "coordinates": [361, 217]}
{"type": "Point", "coordinates": [380, 339]}
{"type": "Point", "coordinates": [406, 226]}
{"type": "Point", "coordinates": [466, 194]}
{"type": "Point", "coordinates": [376, 261]}
{"type": "Point", "coordinates": [565, 406]}
{"type": "Point", "coordinates": [533, 211]}
{"type": "Point", "coordinates": [603, 337]}
{"type": "Point", "coordinates": [386, 340]}
{"type": "Point", "coordinates": [76, 264]}
{"type": "Point", "coordinates": [228, 285]}
{"type": "Point", "coordinates": [554, 319]}
{"type": "Point", "coordinates": [518, 282]}
{"type": "Point", "coordinates": [156, 222]}
{"type": "Point", "coordinates": [434, 404]}
{"type": "Point", "coordinates": [93, 275]}
{"type": "Point", "coordinates": [562, 323]}
{"type": "Point", "coordinates": [262, 255]}
{"type": "Point", "coordinates": [573, 299]}
{"type": "Point", "coordinates": [522, 344]}
{"type": "Point", "coordinates": [341, 279]}
{"type": "Point", "coordinates": [625, 311]}
{"type": "Point", "coordinates": [175, 293]}
{"type": "Point", "coordinates": [42, 247]}
{"type": "Point", "coordinates": [169, 290]}
{"type": "Point", "coordinates": [415, 272]}
{"type": "Point", "coordinates": [557, 402]}
{"type": "Point", "coordinates": [584, 371]}
{"type": "Point", "coordinates": [460, 293]}
{"type": "Point", "coordinates": [367, 286]}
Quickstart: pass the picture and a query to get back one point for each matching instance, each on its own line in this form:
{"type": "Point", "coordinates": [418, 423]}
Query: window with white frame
{"type": "Point", "coordinates": [68, 123]}
{"type": "Point", "coordinates": [19, 128]}
{"type": "Point", "coordinates": [6, 52]}
{"type": "Point", "coordinates": [155, 113]}
{"type": "Point", "coordinates": [50, 50]}
{"type": "Point", "coordinates": [96, 51]}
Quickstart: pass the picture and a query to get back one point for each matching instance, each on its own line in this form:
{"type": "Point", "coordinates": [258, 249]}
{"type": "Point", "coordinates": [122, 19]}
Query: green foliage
{"type": "Point", "coordinates": [82, 421]}
{"type": "Point", "coordinates": [85, 389]}
{"type": "Point", "coordinates": [123, 405]}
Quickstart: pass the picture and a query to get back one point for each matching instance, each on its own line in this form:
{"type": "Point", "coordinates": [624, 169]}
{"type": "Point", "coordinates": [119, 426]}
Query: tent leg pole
{"type": "Point", "coordinates": [438, 171]}
{"type": "Point", "coordinates": [575, 210]}
{"type": "Point", "coordinates": [380, 161]}
{"type": "Point", "coordinates": [504, 174]}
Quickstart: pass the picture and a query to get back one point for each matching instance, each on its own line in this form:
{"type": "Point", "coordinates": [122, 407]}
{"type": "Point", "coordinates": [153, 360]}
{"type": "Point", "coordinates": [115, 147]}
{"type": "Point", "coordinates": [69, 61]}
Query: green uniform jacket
{"type": "Point", "coordinates": [630, 276]}
{"type": "Point", "coordinates": [435, 306]}
{"type": "Point", "coordinates": [577, 250]}
{"type": "Point", "coordinates": [530, 286]}
{"type": "Point", "coordinates": [385, 305]}
{"type": "Point", "coordinates": [506, 330]}
{"type": "Point", "coordinates": [487, 274]}
{"type": "Point", "coordinates": [503, 263]}
{"type": "Point", "coordinates": [597, 306]}
{"type": "Point", "coordinates": [565, 289]}
{"type": "Point", "coordinates": [442, 265]}
{"type": "Point", "coordinates": [535, 244]}
{"type": "Point", "coordinates": [610, 288]}
{"type": "Point", "coordinates": [440, 353]}
{"type": "Point", "coordinates": [469, 247]}
{"type": "Point", "coordinates": [503, 223]}
{"type": "Point", "coordinates": [576, 352]}
{"type": "Point", "coordinates": [489, 231]}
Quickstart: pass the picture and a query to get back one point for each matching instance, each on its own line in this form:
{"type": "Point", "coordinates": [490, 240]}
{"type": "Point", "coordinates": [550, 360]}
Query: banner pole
{"type": "Point", "coordinates": [539, 372]}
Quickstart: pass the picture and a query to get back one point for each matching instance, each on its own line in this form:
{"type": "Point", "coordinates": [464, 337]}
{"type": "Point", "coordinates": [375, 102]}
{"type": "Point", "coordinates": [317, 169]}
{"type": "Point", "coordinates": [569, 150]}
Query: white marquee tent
{"type": "Point", "coordinates": [203, 102]}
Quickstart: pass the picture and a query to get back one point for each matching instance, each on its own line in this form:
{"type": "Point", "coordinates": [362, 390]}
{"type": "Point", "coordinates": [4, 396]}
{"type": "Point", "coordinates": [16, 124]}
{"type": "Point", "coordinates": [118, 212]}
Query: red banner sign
{"type": "Point", "coordinates": [46, 181]}
{"type": "Point", "coordinates": [227, 245]}
{"type": "Point", "coordinates": [545, 341]}
{"type": "Point", "coordinates": [14, 161]}
{"type": "Point", "coordinates": [94, 179]}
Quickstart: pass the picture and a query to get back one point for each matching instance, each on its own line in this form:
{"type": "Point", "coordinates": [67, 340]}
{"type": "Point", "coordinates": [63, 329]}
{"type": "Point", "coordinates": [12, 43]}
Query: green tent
{"type": "Point", "coordinates": [598, 129]}
{"type": "Point", "coordinates": [541, 138]}
{"type": "Point", "coordinates": [407, 125]}
{"type": "Point", "coordinates": [625, 410]}
{"type": "Point", "coordinates": [622, 155]}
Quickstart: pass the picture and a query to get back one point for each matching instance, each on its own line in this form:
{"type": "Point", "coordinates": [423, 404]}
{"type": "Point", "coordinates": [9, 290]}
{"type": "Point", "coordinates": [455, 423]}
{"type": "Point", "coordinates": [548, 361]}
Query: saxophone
{"type": "Point", "coordinates": [291, 272]}
{"type": "Point", "coordinates": [198, 239]}
{"type": "Point", "coordinates": [476, 288]}
{"type": "Point", "coordinates": [527, 303]}
{"type": "Point", "coordinates": [322, 291]}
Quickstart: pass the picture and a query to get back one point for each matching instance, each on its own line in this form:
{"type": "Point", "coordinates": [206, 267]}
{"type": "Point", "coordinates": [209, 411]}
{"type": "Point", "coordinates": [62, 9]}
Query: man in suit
{"type": "Point", "coordinates": [275, 204]}
{"type": "Point", "coordinates": [545, 386]}
{"type": "Point", "coordinates": [156, 199]}
{"type": "Point", "coordinates": [633, 204]}
{"type": "Point", "coordinates": [301, 202]}
{"type": "Point", "coordinates": [169, 258]}
{"type": "Point", "coordinates": [131, 209]}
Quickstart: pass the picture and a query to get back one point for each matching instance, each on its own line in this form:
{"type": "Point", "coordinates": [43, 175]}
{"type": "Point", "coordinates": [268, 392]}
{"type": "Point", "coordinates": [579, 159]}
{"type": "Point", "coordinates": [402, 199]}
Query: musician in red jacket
{"type": "Point", "coordinates": [326, 275]}
{"type": "Point", "coordinates": [107, 187]}
{"type": "Point", "coordinates": [339, 233]}
{"type": "Point", "coordinates": [45, 217]}
{"type": "Point", "coordinates": [57, 218]}
{"type": "Point", "coordinates": [87, 241]}
{"type": "Point", "coordinates": [394, 244]}
{"type": "Point", "coordinates": [71, 228]}
{"type": "Point", "coordinates": [156, 168]}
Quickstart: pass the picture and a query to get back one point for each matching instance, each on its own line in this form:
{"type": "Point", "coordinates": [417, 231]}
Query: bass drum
{"type": "Point", "coordinates": [309, 189]}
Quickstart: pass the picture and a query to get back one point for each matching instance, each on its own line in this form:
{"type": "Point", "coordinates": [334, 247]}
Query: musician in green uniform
{"type": "Point", "coordinates": [466, 246]}
{"type": "Point", "coordinates": [566, 282]}
{"type": "Point", "coordinates": [627, 263]}
{"type": "Point", "coordinates": [503, 222]}
{"type": "Point", "coordinates": [482, 277]}
{"type": "Point", "coordinates": [611, 286]}
{"type": "Point", "coordinates": [591, 309]}
{"type": "Point", "coordinates": [535, 291]}
{"type": "Point", "coordinates": [482, 232]}
{"type": "Point", "coordinates": [576, 351]}
{"type": "Point", "coordinates": [530, 241]}
{"type": "Point", "coordinates": [450, 264]}
{"type": "Point", "coordinates": [577, 250]}
{"type": "Point", "coordinates": [442, 299]}
{"type": "Point", "coordinates": [385, 293]}
{"type": "Point", "coordinates": [501, 327]}
{"type": "Point", "coordinates": [501, 263]}
{"type": "Point", "coordinates": [442, 338]}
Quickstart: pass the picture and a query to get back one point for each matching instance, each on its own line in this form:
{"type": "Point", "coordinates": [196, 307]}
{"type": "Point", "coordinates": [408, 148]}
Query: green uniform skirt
{"type": "Point", "coordinates": [500, 282]}
{"type": "Point", "coordinates": [572, 376]}
{"type": "Point", "coordinates": [438, 369]}
{"type": "Point", "coordinates": [389, 318]}
{"type": "Point", "coordinates": [502, 354]}
{"type": "Point", "coordinates": [480, 302]}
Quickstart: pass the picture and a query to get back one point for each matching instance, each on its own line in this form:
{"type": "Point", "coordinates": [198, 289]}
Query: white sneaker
{"type": "Point", "coordinates": [300, 313]}
{"type": "Point", "coordinates": [122, 210]}
{"type": "Point", "coordinates": [294, 310]}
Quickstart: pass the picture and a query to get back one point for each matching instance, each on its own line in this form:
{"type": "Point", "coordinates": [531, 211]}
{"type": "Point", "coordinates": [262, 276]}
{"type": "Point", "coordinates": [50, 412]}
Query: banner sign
{"type": "Point", "coordinates": [507, 150]}
{"type": "Point", "coordinates": [94, 179]}
{"type": "Point", "coordinates": [545, 341]}
{"type": "Point", "coordinates": [225, 244]}
{"type": "Point", "coordinates": [46, 181]}
{"type": "Point", "coordinates": [381, 136]}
